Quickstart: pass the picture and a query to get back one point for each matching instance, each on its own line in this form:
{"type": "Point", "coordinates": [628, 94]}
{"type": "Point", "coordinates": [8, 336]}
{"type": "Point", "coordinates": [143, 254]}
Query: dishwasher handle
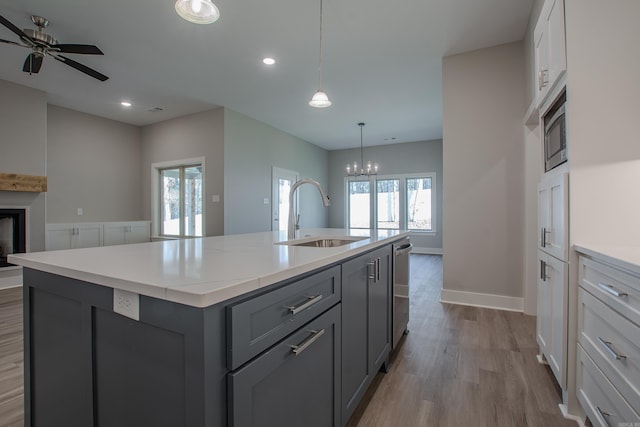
{"type": "Point", "coordinates": [404, 249]}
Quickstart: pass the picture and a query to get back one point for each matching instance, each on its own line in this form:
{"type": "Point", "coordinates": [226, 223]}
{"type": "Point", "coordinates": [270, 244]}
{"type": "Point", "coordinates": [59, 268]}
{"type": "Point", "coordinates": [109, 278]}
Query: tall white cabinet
{"type": "Point", "coordinates": [553, 273]}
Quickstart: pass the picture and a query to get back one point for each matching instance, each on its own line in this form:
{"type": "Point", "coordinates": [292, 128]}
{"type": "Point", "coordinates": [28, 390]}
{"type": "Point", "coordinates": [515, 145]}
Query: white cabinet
{"type": "Point", "coordinates": [551, 321]}
{"type": "Point", "coordinates": [553, 273]}
{"type": "Point", "coordinates": [550, 50]}
{"type": "Point", "coordinates": [72, 236]}
{"type": "Point", "coordinates": [553, 202]}
{"type": "Point", "coordinates": [122, 233]}
{"type": "Point", "coordinates": [608, 360]}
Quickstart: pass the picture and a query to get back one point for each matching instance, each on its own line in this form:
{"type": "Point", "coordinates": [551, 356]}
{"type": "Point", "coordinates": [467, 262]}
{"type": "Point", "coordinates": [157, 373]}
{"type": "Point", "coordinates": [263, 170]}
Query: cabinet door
{"type": "Point", "coordinates": [114, 234]}
{"type": "Point", "coordinates": [366, 323]}
{"type": "Point", "coordinates": [541, 75]}
{"type": "Point", "coordinates": [59, 236]}
{"type": "Point", "coordinates": [556, 40]}
{"type": "Point", "coordinates": [88, 236]}
{"type": "Point", "coordinates": [295, 383]}
{"type": "Point", "coordinates": [553, 202]}
{"type": "Point", "coordinates": [552, 313]}
{"type": "Point", "coordinates": [379, 299]}
{"type": "Point", "coordinates": [138, 232]}
{"type": "Point", "coordinates": [355, 364]}
{"type": "Point", "coordinates": [543, 317]}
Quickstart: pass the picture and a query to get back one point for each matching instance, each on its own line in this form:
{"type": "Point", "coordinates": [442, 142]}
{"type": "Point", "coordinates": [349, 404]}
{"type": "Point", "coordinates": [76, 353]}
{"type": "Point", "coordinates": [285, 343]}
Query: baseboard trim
{"type": "Point", "coordinates": [498, 302]}
{"type": "Point", "coordinates": [567, 415]}
{"type": "Point", "coordinates": [426, 251]}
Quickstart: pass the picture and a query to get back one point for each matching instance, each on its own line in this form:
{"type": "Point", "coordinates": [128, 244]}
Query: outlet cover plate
{"type": "Point", "coordinates": [126, 303]}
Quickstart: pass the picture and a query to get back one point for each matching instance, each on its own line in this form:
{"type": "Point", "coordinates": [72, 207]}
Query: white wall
{"type": "Point", "coordinates": [195, 135]}
{"type": "Point", "coordinates": [603, 109]}
{"type": "Point", "coordinates": [483, 160]}
{"type": "Point", "coordinates": [412, 157]}
{"type": "Point", "coordinates": [93, 164]}
{"type": "Point", "coordinates": [23, 149]}
{"type": "Point", "coordinates": [251, 149]}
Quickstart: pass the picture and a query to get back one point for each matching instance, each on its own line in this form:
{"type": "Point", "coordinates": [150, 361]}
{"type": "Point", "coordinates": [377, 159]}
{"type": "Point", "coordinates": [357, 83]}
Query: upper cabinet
{"type": "Point", "coordinates": [550, 52]}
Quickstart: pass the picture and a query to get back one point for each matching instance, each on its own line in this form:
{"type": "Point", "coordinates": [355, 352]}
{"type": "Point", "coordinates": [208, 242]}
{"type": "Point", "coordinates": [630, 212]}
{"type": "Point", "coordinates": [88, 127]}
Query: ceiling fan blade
{"type": "Point", "coordinates": [89, 71]}
{"type": "Point", "coordinates": [85, 49]}
{"type": "Point", "coordinates": [16, 30]}
{"type": "Point", "coordinates": [12, 42]}
{"type": "Point", "coordinates": [32, 64]}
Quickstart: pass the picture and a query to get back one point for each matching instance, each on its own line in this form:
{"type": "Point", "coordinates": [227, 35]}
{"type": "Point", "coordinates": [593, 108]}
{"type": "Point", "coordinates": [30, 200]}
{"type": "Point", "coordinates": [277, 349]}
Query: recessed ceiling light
{"type": "Point", "coordinates": [126, 104]}
{"type": "Point", "coordinates": [268, 61]}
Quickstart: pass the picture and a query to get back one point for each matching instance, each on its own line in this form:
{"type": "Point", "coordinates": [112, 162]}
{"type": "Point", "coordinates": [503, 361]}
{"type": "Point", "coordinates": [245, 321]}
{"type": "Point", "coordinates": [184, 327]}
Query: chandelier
{"type": "Point", "coordinates": [368, 170]}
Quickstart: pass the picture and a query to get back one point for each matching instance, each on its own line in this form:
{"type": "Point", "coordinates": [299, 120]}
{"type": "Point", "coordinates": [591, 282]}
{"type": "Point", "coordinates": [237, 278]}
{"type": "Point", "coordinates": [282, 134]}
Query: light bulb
{"type": "Point", "coordinates": [198, 11]}
{"type": "Point", "coordinates": [196, 6]}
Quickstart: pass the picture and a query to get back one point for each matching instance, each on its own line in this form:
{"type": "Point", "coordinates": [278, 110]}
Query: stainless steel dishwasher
{"type": "Point", "coordinates": [401, 252]}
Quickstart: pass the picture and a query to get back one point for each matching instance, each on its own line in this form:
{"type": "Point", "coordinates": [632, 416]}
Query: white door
{"type": "Point", "coordinates": [282, 180]}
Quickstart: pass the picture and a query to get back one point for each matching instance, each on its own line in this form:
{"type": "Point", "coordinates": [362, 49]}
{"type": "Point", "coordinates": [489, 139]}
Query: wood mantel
{"type": "Point", "coordinates": [21, 182]}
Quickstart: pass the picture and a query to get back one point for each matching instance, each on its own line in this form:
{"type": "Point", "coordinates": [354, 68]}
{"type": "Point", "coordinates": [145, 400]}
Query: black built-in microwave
{"type": "Point", "coordinates": [555, 135]}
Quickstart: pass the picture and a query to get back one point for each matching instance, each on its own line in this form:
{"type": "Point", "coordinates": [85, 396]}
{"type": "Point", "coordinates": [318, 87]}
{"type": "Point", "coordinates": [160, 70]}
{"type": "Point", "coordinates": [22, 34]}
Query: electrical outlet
{"type": "Point", "coordinates": [126, 303]}
{"type": "Point", "coordinates": [80, 211]}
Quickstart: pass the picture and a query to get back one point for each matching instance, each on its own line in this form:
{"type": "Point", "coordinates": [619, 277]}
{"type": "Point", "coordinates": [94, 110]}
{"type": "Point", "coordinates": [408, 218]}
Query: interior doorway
{"type": "Point", "coordinates": [281, 182]}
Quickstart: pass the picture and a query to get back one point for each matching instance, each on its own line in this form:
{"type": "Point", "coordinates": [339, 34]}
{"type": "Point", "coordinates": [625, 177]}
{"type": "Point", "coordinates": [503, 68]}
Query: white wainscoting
{"type": "Point", "coordinates": [10, 277]}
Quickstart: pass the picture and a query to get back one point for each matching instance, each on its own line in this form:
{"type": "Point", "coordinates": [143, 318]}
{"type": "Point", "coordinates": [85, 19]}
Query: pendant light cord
{"type": "Point", "coordinates": [320, 60]}
{"type": "Point", "coordinates": [361, 147]}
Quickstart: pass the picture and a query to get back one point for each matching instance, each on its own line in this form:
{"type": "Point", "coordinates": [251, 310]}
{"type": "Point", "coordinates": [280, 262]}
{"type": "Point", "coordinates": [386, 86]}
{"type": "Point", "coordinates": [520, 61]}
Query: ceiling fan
{"type": "Point", "coordinates": [42, 44]}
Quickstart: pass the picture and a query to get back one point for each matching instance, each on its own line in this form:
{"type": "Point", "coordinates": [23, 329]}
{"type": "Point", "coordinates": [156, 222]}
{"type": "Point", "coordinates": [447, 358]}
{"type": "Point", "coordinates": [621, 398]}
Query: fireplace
{"type": "Point", "coordinates": [12, 233]}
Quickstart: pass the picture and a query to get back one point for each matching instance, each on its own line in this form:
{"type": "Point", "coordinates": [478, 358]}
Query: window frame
{"type": "Point", "coordinates": [156, 199]}
{"type": "Point", "coordinates": [403, 202]}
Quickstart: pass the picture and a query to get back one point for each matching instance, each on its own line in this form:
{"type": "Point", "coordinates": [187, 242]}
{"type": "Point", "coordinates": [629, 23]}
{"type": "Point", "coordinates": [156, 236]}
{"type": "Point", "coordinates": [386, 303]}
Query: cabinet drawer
{"type": "Point", "coordinates": [286, 388]}
{"type": "Point", "coordinates": [604, 405]}
{"type": "Point", "coordinates": [256, 324]}
{"type": "Point", "coordinates": [612, 342]}
{"type": "Point", "coordinates": [614, 287]}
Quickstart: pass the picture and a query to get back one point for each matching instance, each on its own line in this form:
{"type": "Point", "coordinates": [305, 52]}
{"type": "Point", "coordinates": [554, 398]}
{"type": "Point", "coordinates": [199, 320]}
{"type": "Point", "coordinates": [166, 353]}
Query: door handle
{"type": "Point", "coordinates": [311, 301]}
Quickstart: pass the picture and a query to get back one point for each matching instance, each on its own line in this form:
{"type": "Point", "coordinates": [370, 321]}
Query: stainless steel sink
{"type": "Point", "coordinates": [324, 242]}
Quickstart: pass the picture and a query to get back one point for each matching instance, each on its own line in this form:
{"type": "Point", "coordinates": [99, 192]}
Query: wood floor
{"type": "Point", "coordinates": [459, 366]}
{"type": "Point", "coordinates": [11, 366]}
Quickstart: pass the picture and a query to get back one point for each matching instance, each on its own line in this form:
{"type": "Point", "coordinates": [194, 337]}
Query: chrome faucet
{"type": "Point", "coordinates": [294, 187]}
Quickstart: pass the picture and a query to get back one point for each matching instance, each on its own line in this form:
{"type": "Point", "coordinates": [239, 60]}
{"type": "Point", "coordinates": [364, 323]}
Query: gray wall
{"type": "Point", "coordinates": [93, 164]}
{"type": "Point", "coordinates": [484, 106]}
{"type": "Point", "coordinates": [413, 157]}
{"type": "Point", "coordinates": [23, 149]}
{"type": "Point", "coordinates": [251, 149]}
{"type": "Point", "coordinates": [195, 135]}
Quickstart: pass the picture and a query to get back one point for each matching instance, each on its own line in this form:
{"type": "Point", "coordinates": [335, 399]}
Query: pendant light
{"type": "Point", "coordinates": [369, 170]}
{"type": "Point", "coordinates": [198, 11]}
{"type": "Point", "coordinates": [320, 99]}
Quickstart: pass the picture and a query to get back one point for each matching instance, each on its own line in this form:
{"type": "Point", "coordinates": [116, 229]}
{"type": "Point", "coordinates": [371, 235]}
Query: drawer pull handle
{"type": "Point", "coordinates": [297, 349]}
{"type": "Point", "coordinates": [610, 349]}
{"type": "Point", "coordinates": [311, 301]}
{"type": "Point", "coordinates": [603, 415]}
{"type": "Point", "coordinates": [613, 291]}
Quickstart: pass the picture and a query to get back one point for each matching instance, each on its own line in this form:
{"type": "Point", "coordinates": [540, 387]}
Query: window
{"type": "Point", "coordinates": [404, 201]}
{"type": "Point", "coordinates": [179, 198]}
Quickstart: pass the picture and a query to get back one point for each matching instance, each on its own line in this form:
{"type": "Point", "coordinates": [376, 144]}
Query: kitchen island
{"type": "Point", "coordinates": [229, 330]}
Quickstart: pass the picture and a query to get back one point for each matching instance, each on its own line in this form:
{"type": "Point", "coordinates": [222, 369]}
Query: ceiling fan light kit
{"type": "Point", "coordinates": [198, 11]}
{"type": "Point", "coordinates": [42, 44]}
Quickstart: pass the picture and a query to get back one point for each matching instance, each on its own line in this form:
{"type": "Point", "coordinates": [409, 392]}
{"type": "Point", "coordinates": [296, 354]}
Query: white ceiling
{"type": "Point", "coordinates": [382, 60]}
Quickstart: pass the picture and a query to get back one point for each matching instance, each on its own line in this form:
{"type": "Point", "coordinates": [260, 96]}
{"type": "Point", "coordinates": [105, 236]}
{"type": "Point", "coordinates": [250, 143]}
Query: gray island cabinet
{"type": "Point", "coordinates": [300, 351]}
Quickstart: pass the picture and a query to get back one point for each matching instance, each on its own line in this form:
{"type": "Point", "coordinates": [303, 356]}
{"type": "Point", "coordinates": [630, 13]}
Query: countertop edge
{"type": "Point", "coordinates": [225, 290]}
{"type": "Point", "coordinates": [624, 257]}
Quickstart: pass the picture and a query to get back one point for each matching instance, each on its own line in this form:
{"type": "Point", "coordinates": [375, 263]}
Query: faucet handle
{"type": "Point", "coordinates": [298, 222]}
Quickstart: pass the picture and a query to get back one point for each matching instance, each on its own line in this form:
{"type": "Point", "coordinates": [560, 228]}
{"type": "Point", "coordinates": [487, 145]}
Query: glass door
{"type": "Point", "coordinates": [282, 182]}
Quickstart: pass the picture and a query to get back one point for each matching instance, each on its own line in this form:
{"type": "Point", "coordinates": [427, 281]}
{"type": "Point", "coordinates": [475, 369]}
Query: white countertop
{"type": "Point", "coordinates": [203, 271]}
{"type": "Point", "coordinates": [625, 257]}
